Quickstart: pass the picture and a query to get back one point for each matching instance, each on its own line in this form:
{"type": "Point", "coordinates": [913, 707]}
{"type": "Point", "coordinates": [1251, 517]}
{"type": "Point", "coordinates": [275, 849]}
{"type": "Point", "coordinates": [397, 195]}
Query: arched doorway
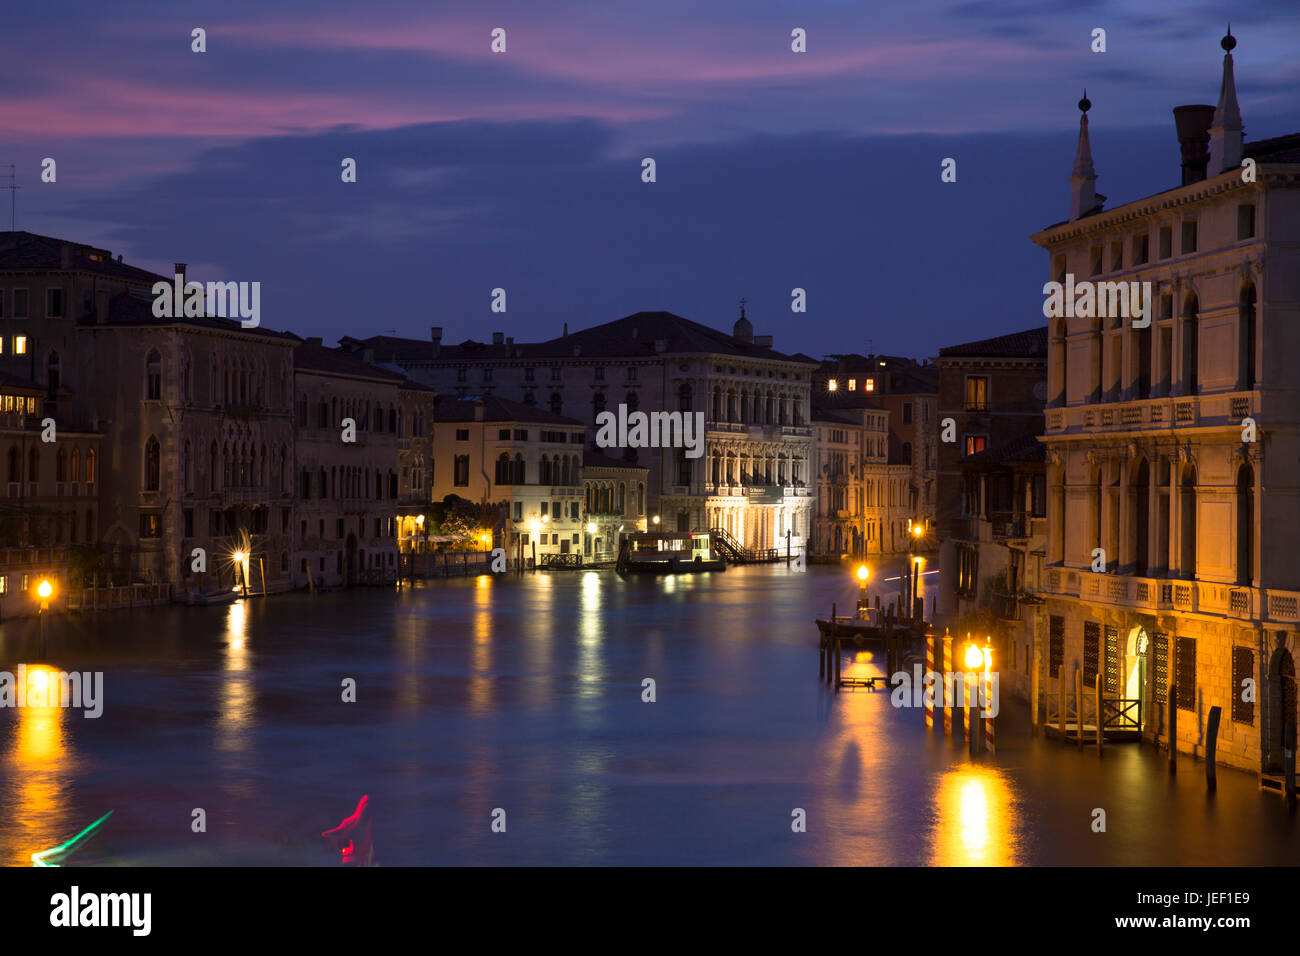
{"type": "Point", "coordinates": [1133, 686]}
{"type": "Point", "coordinates": [1281, 706]}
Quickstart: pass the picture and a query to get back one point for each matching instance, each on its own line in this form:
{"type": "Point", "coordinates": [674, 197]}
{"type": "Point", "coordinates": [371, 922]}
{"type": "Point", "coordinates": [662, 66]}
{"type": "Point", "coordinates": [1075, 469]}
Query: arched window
{"type": "Point", "coordinates": [1245, 525]}
{"type": "Point", "coordinates": [622, 501]}
{"type": "Point", "coordinates": [90, 473]}
{"type": "Point", "coordinates": [15, 465]}
{"type": "Point", "coordinates": [717, 404]}
{"type": "Point", "coordinates": [521, 474]}
{"type": "Point", "coordinates": [33, 466]}
{"type": "Point", "coordinates": [76, 464]}
{"type": "Point", "coordinates": [153, 376]}
{"type": "Point", "coordinates": [564, 471]}
{"type": "Point", "coordinates": [684, 396]}
{"type": "Point", "coordinates": [152, 464]}
{"type": "Point", "coordinates": [61, 466]}
{"type": "Point", "coordinates": [640, 497]}
{"type": "Point", "coordinates": [544, 471]}
{"type": "Point", "coordinates": [504, 471]}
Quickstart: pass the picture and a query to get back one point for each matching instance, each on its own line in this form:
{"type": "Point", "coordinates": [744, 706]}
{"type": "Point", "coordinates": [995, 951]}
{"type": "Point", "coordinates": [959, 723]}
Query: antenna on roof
{"type": "Point", "coordinates": [13, 188]}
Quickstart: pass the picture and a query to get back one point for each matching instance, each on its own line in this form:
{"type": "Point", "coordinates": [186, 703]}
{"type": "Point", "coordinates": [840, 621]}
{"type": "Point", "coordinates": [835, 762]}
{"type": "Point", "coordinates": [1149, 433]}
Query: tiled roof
{"type": "Point", "coordinates": [135, 308]}
{"type": "Point", "coordinates": [1031, 343]}
{"type": "Point", "coordinates": [312, 356]}
{"type": "Point", "coordinates": [450, 409]}
{"type": "Point", "coordinates": [629, 337]}
{"type": "Point", "coordinates": [26, 251]}
{"type": "Point", "coordinates": [1279, 149]}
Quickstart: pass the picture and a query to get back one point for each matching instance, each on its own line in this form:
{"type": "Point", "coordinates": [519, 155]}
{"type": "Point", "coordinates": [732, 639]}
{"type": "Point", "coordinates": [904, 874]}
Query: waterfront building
{"type": "Point", "coordinates": [991, 396]}
{"type": "Point", "coordinates": [414, 463]}
{"type": "Point", "coordinates": [194, 413]}
{"type": "Point", "coordinates": [1171, 572]}
{"type": "Point", "coordinates": [996, 550]}
{"type": "Point", "coordinates": [615, 503]}
{"type": "Point", "coordinates": [521, 458]}
{"type": "Point", "coordinates": [752, 478]}
{"type": "Point", "coordinates": [907, 390]}
{"type": "Point", "coordinates": [347, 494]}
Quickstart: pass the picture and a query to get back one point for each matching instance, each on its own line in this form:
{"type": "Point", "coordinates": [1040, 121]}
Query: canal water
{"type": "Point", "coordinates": [524, 694]}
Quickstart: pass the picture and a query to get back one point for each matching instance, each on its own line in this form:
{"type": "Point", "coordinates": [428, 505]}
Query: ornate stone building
{"type": "Point", "coordinates": [347, 490]}
{"type": "Point", "coordinates": [1154, 472]}
{"type": "Point", "coordinates": [490, 450]}
{"type": "Point", "coordinates": [194, 412]}
{"type": "Point", "coordinates": [615, 503]}
{"type": "Point", "coordinates": [753, 478]}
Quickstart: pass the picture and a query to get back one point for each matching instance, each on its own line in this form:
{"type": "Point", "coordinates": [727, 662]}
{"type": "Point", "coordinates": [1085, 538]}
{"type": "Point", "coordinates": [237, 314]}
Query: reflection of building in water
{"type": "Point", "coordinates": [1151, 465]}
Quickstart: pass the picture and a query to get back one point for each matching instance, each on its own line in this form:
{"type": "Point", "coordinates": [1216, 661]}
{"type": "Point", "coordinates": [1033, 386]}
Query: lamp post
{"type": "Point", "coordinates": [243, 578]}
{"type": "Point", "coordinates": [44, 590]}
{"type": "Point", "coordinates": [917, 532]}
{"type": "Point", "coordinates": [533, 527]}
{"type": "Point", "coordinates": [864, 573]}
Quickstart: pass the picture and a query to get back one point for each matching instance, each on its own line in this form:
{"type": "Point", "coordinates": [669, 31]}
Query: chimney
{"type": "Point", "coordinates": [101, 308]}
{"type": "Point", "coordinates": [478, 410]}
{"type": "Point", "coordinates": [510, 346]}
{"type": "Point", "coordinates": [763, 341]}
{"type": "Point", "coordinates": [180, 271]}
{"type": "Point", "coordinates": [435, 334]}
{"type": "Point", "coordinates": [1193, 125]}
{"type": "Point", "coordinates": [498, 338]}
{"type": "Point", "coordinates": [566, 328]}
{"type": "Point", "coordinates": [314, 340]}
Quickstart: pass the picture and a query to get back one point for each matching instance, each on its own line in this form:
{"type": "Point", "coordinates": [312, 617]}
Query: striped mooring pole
{"type": "Point", "coordinates": [988, 721]}
{"type": "Point", "coordinates": [943, 689]}
{"type": "Point", "coordinates": [930, 641]}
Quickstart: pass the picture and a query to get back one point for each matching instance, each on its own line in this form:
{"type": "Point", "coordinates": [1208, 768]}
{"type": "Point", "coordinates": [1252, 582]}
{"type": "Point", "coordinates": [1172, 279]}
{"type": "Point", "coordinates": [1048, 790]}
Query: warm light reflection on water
{"type": "Point", "coordinates": [974, 819]}
{"type": "Point", "coordinates": [236, 704]}
{"type": "Point", "coordinates": [39, 766]}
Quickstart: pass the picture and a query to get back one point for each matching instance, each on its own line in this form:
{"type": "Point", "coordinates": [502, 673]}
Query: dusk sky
{"type": "Point", "coordinates": [522, 170]}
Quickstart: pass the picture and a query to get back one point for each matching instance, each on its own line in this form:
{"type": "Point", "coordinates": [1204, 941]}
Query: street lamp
{"type": "Point", "coordinates": [655, 519]}
{"type": "Point", "coordinates": [863, 574]}
{"type": "Point", "coordinates": [239, 563]}
{"type": "Point", "coordinates": [44, 590]}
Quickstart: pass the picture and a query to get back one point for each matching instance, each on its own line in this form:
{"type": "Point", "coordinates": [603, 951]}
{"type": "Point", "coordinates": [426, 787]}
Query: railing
{"type": "Point", "coordinates": [1180, 411]}
{"type": "Point", "coordinates": [571, 560]}
{"type": "Point", "coordinates": [1121, 713]}
{"type": "Point", "coordinates": [1009, 525]}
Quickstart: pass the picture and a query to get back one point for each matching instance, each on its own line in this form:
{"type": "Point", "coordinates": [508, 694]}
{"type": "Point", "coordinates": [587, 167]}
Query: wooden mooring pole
{"type": "Point", "coordinates": [1078, 706]}
{"type": "Point", "coordinates": [1211, 746]}
{"type": "Point", "coordinates": [830, 646]}
{"type": "Point", "coordinates": [1101, 719]}
{"type": "Point", "coordinates": [839, 653]}
{"type": "Point", "coordinates": [1172, 729]}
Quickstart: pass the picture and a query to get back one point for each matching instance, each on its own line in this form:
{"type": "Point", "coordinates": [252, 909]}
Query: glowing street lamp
{"type": "Point", "coordinates": [974, 657]}
{"type": "Point", "coordinates": [591, 527]}
{"type": "Point", "coordinates": [864, 573]}
{"type": "Point", "coordinates": [656, 519]}
{"type": "Point", "coordinates": [44, 590]}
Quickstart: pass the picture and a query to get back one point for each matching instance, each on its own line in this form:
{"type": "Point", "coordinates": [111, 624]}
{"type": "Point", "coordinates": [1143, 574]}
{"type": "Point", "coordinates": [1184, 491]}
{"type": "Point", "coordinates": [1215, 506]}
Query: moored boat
{"type": "Point", "coordinates": [667, 552]}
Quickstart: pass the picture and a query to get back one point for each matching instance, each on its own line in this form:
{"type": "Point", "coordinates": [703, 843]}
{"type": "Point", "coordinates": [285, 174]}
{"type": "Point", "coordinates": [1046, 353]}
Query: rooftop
{"type": "Point", "coordinates": [1031, 343]}
{"type": "Point", "coordinates": [449, 409]}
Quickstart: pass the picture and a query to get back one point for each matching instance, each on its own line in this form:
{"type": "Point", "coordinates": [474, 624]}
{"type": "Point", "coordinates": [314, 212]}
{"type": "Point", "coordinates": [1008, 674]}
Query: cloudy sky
{"type": "Point", "coordinates": [522, 170]}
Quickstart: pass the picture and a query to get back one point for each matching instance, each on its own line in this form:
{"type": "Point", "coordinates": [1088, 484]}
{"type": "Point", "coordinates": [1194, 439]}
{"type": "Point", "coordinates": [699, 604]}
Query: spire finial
{"type": "Point", "coordinates": [1229, 42]}
{"type": "Point", "coordinates": [1085, 104]}
{"type": "Point", "coordinates": [743, 300]}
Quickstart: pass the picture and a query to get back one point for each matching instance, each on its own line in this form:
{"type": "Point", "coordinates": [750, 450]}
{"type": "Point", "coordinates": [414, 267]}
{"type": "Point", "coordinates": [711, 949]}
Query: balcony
{"type": "Point", "coordinates": [1225, 409]}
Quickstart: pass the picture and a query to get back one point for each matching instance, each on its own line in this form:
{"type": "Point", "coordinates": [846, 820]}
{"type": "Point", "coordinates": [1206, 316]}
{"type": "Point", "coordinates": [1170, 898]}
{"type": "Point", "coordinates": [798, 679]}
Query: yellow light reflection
{"type": "Point", "coordinates": [38, 767]}
{"type": "Point", "coordinates": [236, 715]}
{"type": "Point", "coordinates": [973, 819]}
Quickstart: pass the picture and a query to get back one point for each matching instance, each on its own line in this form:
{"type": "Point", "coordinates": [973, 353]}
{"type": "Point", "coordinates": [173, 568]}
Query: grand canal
{"type": "Point", "coordinates": [525, 694]}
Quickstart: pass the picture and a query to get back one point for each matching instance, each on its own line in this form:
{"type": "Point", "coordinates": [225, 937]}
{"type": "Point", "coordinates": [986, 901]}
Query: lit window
{"type": "Point", "coordinates": [832, 385]}
{"type": "Point", "coordinates": [20, 345]}
{"type": "Point", "coordinates": [4, 584]}
{"type": "Point", "coordinates": [853, 385]}
{"type": "Point", "coordinates": [869, 385]}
